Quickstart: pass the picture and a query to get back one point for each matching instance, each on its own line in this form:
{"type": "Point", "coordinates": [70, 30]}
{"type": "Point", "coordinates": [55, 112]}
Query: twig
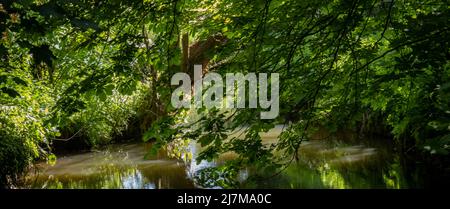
{"type": "Point", "coordinates": [70, 137]}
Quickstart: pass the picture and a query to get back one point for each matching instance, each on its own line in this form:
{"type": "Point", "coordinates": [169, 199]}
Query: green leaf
{"type": "Point", "coordinates": [11, 92]}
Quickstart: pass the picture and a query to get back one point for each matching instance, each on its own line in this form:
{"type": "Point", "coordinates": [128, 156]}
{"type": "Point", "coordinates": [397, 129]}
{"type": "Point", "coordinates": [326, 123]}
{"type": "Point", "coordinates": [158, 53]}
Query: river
{"type": "Point", "coordinates": [324, 163]}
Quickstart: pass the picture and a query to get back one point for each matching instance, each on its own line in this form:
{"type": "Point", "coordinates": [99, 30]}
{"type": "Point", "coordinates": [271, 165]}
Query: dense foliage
{"type": "Point", "coordinates": [94, 70]}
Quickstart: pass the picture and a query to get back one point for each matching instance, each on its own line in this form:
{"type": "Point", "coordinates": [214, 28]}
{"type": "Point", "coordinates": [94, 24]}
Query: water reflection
{"type": "Point", "coordinates": [340, 165]}
{"type": "Point", "coordinates": [329, 163]}
{"type": "Point", "coordinates": [119, 166]}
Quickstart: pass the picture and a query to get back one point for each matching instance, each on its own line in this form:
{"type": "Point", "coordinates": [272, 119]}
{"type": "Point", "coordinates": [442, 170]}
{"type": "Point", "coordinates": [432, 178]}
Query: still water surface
{"type": "Point", "coordinates": [326, 163]}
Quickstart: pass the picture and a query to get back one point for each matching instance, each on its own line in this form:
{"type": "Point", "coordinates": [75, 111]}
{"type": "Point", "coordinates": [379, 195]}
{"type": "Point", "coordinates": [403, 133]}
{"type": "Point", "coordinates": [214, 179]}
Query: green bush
{"type": "Point", "coordinates": [15, 157]}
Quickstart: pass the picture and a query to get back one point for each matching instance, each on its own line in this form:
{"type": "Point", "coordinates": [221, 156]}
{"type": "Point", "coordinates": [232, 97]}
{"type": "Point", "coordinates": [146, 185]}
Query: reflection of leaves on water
{"type": "Point", "coordinates": [217, 177]}
{"type": "Point", "coordinates": [110, 176]}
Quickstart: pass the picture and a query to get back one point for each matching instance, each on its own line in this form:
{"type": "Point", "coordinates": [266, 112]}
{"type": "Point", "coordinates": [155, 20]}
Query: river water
{"type": "Point", "coordinates": [324, 163]}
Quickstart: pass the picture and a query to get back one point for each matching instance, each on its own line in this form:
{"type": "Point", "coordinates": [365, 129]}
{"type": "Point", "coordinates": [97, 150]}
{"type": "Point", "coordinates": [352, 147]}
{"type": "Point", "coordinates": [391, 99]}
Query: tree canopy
{"type": "Point", "coordinates": [98, 70]}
